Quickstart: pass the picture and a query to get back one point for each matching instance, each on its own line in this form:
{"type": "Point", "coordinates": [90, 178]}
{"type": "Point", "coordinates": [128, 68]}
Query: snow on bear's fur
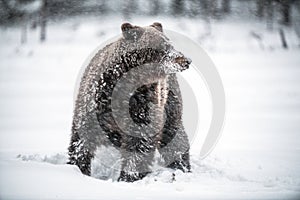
{"type": "Point", "coordinates": [153, 116]}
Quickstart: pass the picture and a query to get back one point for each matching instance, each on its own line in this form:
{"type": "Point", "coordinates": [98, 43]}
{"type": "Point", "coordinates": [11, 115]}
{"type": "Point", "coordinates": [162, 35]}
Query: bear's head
{"type": "Point", "coordinates": [151, 45]}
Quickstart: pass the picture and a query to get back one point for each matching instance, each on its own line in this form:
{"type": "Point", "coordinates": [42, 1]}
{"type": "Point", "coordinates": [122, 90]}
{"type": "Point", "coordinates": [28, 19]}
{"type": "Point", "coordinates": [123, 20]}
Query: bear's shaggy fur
{"type": "Point", "coordinates": [94, 123]}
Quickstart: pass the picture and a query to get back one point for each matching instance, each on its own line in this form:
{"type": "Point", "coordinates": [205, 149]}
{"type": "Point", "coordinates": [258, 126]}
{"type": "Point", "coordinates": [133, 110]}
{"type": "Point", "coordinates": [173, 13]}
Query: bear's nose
{"type": "Point", "coordinates": [188, 60]}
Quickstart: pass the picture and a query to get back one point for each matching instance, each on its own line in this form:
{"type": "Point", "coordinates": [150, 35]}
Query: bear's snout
{"type": "Point", "coordinates": [183, 62]}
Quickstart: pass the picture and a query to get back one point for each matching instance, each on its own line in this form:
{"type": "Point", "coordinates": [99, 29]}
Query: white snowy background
{"type": "Point", "coordinates": [257, 156]}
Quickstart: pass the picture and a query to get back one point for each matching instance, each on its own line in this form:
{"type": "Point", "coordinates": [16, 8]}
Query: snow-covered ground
{"type": "Point", "coordinates": [257, 156]}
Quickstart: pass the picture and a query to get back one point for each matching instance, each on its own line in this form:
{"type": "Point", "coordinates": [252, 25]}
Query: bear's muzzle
{"type": "Point", "coordinates": [183, 62]}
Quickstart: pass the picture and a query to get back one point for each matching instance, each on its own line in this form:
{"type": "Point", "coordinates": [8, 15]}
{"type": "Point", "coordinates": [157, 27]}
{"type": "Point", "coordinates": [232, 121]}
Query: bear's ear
{"type": "Point", "coordinates": [157, 26]}
{"type": "Point", "coordinates": [131, 32]}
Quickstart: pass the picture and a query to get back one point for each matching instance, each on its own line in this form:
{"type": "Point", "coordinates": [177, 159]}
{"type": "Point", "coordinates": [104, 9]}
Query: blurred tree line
{"type": "Point", "coordinates": [36, 13]}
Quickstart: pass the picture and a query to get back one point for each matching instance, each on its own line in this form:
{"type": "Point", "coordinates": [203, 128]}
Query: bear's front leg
{"type": "Point", "coordinates": [80, 154]}
{"type": "Point", "coordinates": [174, 149]}
{"type": "Point", "coordinates": [174, 144]}
{"type": "Point", "coordinates": [137, 157]}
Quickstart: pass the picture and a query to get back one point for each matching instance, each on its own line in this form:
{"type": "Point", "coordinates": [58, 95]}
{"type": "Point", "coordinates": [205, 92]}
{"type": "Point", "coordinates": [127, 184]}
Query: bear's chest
{"type": "Point", "coordinates": [141, 103]}
{"type": "Point", "coordinates": [147, 97]}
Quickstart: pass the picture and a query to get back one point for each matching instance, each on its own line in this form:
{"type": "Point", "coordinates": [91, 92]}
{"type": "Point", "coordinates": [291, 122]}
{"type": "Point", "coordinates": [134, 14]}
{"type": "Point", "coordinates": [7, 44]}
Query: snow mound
{"type": "Point", "coordinates": [215, 177]}
{"type": "Point", "coordinates": [59, 158]}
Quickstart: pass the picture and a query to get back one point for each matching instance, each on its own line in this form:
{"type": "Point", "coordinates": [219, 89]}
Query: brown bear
{"type": "Point", "coordinates": [129, 98]}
